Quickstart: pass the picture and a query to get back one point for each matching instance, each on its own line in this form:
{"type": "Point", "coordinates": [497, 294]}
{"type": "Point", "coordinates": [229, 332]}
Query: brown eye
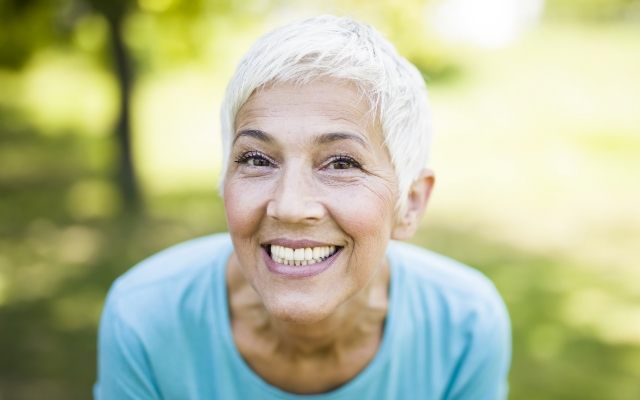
{"type": "Point", "coordinates": [258, 162]}
{"type": "Point", "coordinates": [341, 165]}
{"type": "Point", "coordinates": [343, 162]}
{"type": "Point", "coordinates": [254, 159]}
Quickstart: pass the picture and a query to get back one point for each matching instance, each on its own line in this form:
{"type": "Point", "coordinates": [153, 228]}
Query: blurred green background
{"type": "Point", "coordinates": [537, 152]}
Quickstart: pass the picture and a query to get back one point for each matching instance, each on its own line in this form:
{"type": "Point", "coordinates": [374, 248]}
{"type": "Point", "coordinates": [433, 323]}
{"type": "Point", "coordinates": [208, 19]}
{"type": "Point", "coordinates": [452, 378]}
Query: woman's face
{"type": "Point", "coordinates": [309, 196]}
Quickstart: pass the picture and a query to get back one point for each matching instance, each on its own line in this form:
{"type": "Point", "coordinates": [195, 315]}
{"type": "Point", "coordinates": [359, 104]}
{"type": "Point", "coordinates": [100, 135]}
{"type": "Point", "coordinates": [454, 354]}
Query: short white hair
{"type": "Point", "coordinates": [341, 48]}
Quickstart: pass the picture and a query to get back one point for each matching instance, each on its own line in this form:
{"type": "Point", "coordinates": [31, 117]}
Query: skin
{"type": "Point", "coordinates": [308, 162]}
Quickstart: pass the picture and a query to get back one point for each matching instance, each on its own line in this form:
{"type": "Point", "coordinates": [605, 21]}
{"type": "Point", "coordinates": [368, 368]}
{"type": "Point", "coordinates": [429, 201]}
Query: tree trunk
{"type": "Point", "coordinates": [126, 170]}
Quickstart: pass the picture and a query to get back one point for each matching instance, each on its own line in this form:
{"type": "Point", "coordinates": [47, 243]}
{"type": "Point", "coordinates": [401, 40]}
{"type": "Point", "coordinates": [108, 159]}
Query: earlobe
{"type": "Point", "coordinates": [417, 199]}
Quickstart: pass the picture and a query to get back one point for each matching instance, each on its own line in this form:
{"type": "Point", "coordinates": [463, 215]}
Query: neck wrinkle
{"type": "Point", "coordinates": [359, 319]}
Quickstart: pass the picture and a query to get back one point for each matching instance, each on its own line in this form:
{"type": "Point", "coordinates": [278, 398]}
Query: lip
{"type": "Point", "coordinates": [296, 244]}
{"type": "Point", "coordinates": [297, 272]}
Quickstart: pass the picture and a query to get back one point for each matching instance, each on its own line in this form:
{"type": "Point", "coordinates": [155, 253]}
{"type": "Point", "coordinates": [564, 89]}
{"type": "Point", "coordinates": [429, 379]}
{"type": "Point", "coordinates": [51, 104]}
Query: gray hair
{"type": "Point", "coordinates": [343, 49]}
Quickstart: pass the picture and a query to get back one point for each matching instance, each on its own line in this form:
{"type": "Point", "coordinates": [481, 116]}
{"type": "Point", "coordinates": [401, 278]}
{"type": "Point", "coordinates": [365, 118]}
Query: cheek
{"type": "Point", "coordinates": [365, 211]}
{"type": "Point", "coordinates": [365, 214]}
{"type": "Point", "coordinates": [244, 206]}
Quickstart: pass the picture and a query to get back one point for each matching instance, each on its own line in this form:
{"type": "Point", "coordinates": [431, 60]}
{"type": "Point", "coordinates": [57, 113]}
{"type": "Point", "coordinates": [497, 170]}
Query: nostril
{"type": "Point", "coordinates": [296, 211]}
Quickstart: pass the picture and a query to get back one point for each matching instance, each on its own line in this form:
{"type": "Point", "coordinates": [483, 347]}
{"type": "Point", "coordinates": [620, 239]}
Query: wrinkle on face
{"type": "Point", "coordinates": [358, 203]}
{"type": "Point", "coordinates": [327, 327]}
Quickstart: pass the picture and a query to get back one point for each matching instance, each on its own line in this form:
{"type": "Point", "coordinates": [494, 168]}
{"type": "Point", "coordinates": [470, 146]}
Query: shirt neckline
{"type": "Point", "coordinates": [241, 366]}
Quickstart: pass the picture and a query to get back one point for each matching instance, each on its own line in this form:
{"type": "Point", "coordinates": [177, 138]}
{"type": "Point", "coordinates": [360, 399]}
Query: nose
{"type": "Point", "coordinates": [295, 200]}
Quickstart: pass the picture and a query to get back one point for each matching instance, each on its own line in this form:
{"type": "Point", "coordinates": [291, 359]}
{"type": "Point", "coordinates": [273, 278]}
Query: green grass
{"type": "Point", "coordinates": [536, 156]}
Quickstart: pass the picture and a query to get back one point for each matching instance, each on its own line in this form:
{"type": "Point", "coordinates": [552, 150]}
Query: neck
{"type": "Point", "coordinates": [358, 320]}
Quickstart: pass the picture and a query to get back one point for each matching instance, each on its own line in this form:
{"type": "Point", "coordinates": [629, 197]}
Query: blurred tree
{"type": "Point", "coordinates": [31, 25]}
{"type": "Point", "coordinates": [115, 12]}
{"type": "Point", "coordinates": [594, 10]}
{"type": "Point", "coordinates": [24, 26]}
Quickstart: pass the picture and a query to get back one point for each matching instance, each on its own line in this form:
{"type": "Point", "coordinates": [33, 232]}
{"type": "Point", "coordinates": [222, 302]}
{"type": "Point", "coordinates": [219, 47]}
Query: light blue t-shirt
{"type": "Point", "coordinates": [165, 333]}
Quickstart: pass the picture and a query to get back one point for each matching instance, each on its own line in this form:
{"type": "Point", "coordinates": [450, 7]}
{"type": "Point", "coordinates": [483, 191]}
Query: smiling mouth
{"type": "Point", "coordinates": [300, 256]}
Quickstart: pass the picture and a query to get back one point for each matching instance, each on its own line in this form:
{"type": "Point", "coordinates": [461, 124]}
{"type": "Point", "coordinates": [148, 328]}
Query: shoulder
{"type": "Point", "coordinates": [457, 294]}
{"type": "Point", "coordinates": [449, 306]}
{"type": "Point", "coordinates": [439, 272]}
{"type": "Point", "coordinates": [171, 278]}
{"type": "Point", "coordinates": [175, 262]}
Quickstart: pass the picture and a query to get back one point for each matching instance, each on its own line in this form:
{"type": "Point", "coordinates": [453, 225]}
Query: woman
{"type": "Point", "coordinates": [325, 136]}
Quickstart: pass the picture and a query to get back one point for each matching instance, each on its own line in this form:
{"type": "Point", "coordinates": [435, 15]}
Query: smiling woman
{"type": "Point", "coordinates": [317, 176]}
{"type": "Point", "coordinates": [325, 133]}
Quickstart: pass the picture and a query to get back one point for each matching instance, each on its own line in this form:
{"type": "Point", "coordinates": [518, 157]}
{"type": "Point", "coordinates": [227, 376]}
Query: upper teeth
{"type": "Point", "coordinates": [302, 256]}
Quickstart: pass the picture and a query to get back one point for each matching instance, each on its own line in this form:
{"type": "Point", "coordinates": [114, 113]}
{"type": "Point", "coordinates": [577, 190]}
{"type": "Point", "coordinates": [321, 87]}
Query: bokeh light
{"type": "Point", "coordinates": [536, 110]}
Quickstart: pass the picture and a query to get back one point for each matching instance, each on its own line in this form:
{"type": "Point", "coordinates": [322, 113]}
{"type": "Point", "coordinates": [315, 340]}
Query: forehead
{"type": "Point", "coordinates": [318, 107]}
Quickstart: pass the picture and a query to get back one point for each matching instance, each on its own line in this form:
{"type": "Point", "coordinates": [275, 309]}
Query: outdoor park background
{"type": "Point", "coordinates": [537, 154]}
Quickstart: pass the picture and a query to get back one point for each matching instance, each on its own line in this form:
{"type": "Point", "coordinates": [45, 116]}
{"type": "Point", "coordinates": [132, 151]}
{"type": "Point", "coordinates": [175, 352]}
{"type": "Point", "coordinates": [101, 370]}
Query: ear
{"type": "Point", "coordinates": [417, 198]}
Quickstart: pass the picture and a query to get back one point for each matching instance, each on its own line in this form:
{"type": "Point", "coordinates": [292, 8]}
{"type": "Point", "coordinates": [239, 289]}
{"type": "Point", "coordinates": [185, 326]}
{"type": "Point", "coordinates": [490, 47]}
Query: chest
{"type": "Point", "coordinates": [319, 371]}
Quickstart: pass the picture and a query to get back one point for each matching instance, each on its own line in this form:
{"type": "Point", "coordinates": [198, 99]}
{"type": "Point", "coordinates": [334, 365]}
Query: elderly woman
{"type": "Point", "coordinates": [325, 138]}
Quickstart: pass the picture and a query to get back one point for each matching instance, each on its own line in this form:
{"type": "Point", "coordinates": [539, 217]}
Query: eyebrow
{"type": "Point", "coordinates": [322, 139]}
{"type": "Point", "coordinates": [337, 136]}
{"type": "Point", "coordinates": [254, 133]}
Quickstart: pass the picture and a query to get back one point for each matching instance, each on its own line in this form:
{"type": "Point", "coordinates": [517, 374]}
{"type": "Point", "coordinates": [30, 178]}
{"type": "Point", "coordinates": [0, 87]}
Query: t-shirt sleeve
{"type": "Point", "coordinates": [482, 370]}
{"type": "Point", "coordinates": [124, 371]}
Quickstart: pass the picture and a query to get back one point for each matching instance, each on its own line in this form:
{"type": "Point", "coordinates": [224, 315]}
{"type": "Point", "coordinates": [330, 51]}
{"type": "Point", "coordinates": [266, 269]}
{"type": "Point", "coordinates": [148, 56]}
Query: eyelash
{"type": "Point", "coordinates": [345, 159]}
{"type": "Point", "coordinates": [244, 158]}
{"type": "Point", "coordinates": [254, 155]}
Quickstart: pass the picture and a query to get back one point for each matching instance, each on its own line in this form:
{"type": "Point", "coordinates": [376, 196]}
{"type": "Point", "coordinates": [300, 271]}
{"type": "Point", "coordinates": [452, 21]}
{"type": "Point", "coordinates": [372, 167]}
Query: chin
{"type": "Point", "coordinates": [299, 311]}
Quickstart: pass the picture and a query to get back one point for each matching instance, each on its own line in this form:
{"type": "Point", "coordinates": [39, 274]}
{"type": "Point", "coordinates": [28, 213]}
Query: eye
{"type": "Point", "coordinates": [342, 162]}
{"type": "Point", "coordinates": [254, 159]}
